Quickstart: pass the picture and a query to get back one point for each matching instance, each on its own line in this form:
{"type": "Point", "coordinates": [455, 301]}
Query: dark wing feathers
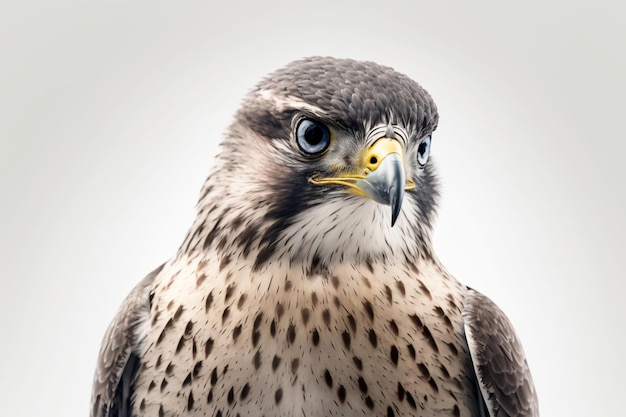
{"type": "Point", "coordinates": [117, 362]}
{"type": "Point", "coordinates": [498, 359]}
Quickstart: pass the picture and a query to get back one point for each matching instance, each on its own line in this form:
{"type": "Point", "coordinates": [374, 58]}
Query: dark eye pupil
{"type": "Point", "coordinates": [422, 149]}
{"type": "Point", "coordinates": [314, 135]}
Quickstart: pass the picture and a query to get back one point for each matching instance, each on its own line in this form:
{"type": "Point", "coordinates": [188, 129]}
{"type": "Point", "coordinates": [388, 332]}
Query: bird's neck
{"type": "Point", "coordinates": [322, 238]}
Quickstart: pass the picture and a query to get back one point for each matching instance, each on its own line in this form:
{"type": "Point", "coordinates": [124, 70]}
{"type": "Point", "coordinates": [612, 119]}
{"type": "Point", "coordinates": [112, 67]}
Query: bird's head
{"type": "Point", "coordinates": [326, 161]}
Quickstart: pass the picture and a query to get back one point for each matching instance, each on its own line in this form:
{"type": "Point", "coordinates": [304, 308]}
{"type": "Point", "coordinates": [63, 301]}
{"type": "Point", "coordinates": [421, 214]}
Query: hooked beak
{"type": "Point", "coordinates": [381, 176]}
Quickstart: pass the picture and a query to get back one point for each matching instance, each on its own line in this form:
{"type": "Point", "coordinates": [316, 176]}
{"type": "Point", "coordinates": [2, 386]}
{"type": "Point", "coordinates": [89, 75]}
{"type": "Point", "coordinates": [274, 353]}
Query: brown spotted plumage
{"type": "Point", "coordinates": [308, 286]}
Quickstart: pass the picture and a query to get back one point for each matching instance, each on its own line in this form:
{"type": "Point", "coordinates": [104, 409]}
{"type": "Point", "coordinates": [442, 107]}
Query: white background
{"type": "Point", "coordinates": [110, 112]}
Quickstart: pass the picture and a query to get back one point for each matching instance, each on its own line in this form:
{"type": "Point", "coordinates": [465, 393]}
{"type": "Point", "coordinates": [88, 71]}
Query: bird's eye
{"type": "Point", "coordinates": [312, 137]}
{"type": "Point", "coordinates": [423, 150]}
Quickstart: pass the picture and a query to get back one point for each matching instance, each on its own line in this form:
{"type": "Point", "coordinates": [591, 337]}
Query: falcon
{"type": "Point", "coordinates": [308, 285]}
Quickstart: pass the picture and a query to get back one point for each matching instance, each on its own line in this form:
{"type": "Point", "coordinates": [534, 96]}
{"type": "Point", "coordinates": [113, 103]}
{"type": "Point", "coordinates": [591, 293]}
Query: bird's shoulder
{"type": "Point", "coordinates": [117, 360]}
{"type": "Point", "coordinates": [498, 358]}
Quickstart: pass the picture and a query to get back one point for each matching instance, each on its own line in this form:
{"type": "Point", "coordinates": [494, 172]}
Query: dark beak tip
{"type": "Point", "coordinates": [395, 199]}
